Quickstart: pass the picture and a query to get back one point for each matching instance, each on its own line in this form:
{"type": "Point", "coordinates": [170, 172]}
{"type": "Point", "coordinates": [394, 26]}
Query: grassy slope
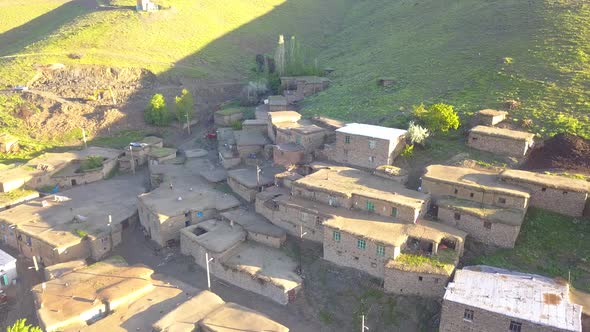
{"type": "Point", "coordinates": [549, 244]}
{"type": "Point", "coordinates": [452, 51]}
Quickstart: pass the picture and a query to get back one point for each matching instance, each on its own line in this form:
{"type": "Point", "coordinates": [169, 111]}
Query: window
{"type": "Point", "coordinates": [468, 315]}
{"type": "Point", "coordinates": [487, 225]}
{"type": "Point", "coordinates": [420, 278]}
{"type": "Point", "coordinates": [298, 139]}
{"type": "Point", "coordinates": [370, 206]}
{"type": "Point", "coordinates": [318, 221]}
{"type": "Point", "coordinates": [474, 138]}
{"type": "Point", "coordinates": [372, 144]}
{"type": "Point", "coordinates": [347, 139]}
{"type": "Point", "coordinates": [372, 159]}
{"type": "Point", "coordinates": [436, 280]}
{"type": "Point", "coordinates": [361, 244]}
{"type": "Point", "coordinates": [303, 216]}
{"type": "Point", "coordinates": [515, 326]}
{"type": "Point", "coordinates": [394, 212]}
{"type": "Point", "coordinates": [456, 191]}
{"type": "Point", "coordinates": [471, 195]}
{"type": "Point", "coordinates": [336, 236]}
{"type": "Point", "coordinates": [457, 216]}
{"type": "Point", "coordinates": [543, 189]}
{"type": "Point", "coordinates": [380, 250]}
{"type": "Point", "coordinates": [29, 241]}
{"type": "Point", "coordinates": [502, 200]}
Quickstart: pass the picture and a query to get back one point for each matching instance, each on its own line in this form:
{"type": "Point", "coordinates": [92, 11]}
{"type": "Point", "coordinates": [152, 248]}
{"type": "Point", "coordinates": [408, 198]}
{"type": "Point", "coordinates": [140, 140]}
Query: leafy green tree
{"type": "Point", "coordinates": [438, 117]}
{"type": "Point", "coordinates": [21, 326]}
{"type": "Point", "coordinates": [183, 105]}
{"type": "Point", "coordinates": [157, 113]}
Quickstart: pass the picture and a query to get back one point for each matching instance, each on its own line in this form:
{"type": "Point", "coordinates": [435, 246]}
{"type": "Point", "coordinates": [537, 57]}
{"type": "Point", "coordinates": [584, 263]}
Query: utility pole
{"type": "Point", "coordinates": [208, 260]}
{"type": "Point", "coordinates": [188, 124]}
{"type": "Point", "coordinates": [363, 327]}
{"type": "Point", "coordinates": [258, 171]}
{"type": "Point", "coordinates": [111, 231]}
{"type": "Point", "coordinates": [301, 234]}
{"type": "Point", "coordinates": [84, 138]}
{"type": "Point", "coordinates": [132, 160]}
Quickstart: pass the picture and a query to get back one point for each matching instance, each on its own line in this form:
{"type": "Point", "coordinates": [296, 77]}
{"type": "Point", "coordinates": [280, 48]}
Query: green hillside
{"type": "Point", "coordinates": [470, 53]}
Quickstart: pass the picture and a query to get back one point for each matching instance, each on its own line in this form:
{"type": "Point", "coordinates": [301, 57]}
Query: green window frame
{"type": "Point", "coordinates": [336, 236]}
{"type": "Point", "coordinates": [370, 206]}
{"type": "Point", "coordinates": [347, 139]}
{"type": "Point", "coordinates": [394, 212]}
{"type": "Point", "coordinates": [361, 244]}
{"type": "Point", "coordinates": [380, 250]}
{"type": "Point", "coordinates": [298, 139]}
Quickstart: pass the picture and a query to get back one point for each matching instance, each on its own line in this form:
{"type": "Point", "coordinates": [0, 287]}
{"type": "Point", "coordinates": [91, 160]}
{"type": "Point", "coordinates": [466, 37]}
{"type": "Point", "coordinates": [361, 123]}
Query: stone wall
{"type": "Point", "coordinates": [249, 194]}
{"type": "Point", "coordinates": [287, 158]}
{"type": "Point", "coordinates": [333, 199]}
{"type": "Point", "coordinates": [293, 218]}
{"type": "Point", "coordinates": [346, 253]}
{"type": "Point", "coordinates": [498, 145]}
{"type": "Point", "coordinates": [483, 321]}
{"type": "Point", "coordinates": [226, 120]}
{"type": "Point", "coordinates": [310, 142]}
{"type": "Point", "coordinates": [268, 240]}
{"type": "Point", "coordinates": [473, 193]}
{"type": "Point", "coordinates": [499, 234]}
{"type": "Point", "coordinates": [414, 283]}
{"type": "Point", "coordinates": [562, 201]}
{"type": "Point", "coordinates": [358, 153]}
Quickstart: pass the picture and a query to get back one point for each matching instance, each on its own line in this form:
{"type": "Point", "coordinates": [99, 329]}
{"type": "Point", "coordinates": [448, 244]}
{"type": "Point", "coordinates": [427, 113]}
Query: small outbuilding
{"type": "Point", "coordinates": [277, 103]}
{"type": "Point", "coordinates": [490, 117]}
{"type": "Point", "coordinates": [8, 273]}
{"type": "Point", "coordinates": [501, 141]}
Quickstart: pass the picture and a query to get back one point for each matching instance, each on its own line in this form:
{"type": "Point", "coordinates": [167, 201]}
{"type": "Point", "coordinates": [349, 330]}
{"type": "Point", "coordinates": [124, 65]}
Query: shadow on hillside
{"type": "Point", "coordinates": [16, 39]}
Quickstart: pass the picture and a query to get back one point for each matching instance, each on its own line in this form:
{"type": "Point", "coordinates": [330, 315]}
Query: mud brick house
{"type": "Point", "coordinates": [257, 227]}
{"type": "Point", "coordinates": [249, 143]}
{"type": "Point", "coordinates": [247, 264]}
{"type": "Point", "coordinates": [277, 103]}
{"type": "Point", "coordinates": [62, 169]}
{"type": "Point", "coordinates": [208, 312]}
{"type": "Point", "coordinates": [392, 173]}
{"type": "Point", "coordinates": [288, 154]}
{"type": "Point", "coordinates": [8, 143]}
{"type": "Point", "coordinates": [245, 183]}
{"type": "Point", "coordinates": [227, 117]}
{"type": "Point", "coordinates": [164, 211]}
{"type": "Point", "coordinates": [304, 86]}
{"type": "Point", "coordinates": [308, 135]}
{"type": "Point", "coordinates": [489, 117]}
{"type": "Point", "coordinates": [275, 119]}
{"type": "Point", "coordinates": [486, 223]}
{"type": "Point", "coordinates": [366, 146]}
{"type": "Point", "coordinates": [136, 155]}
{"type": "Point", "coordinates": [500, 141]}
{"type": "Point", "coordinates": [374, 244]}
{"type": "Point", "coordinates": [255, 125]}
{"type": "Point", "coordinates": [355, 189]}
{"type": "Point", "coordinates": [556, 193]}
{"type": "Point", "coordinates": [83, 222]}
{"type": "Point", "coordinates": [479, 186]}
{"type": "Point", "coordinates": [487, 299]}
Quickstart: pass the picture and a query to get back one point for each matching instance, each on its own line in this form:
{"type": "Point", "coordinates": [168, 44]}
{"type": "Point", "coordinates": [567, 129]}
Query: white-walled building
{"type": "Point", "coordinates": [7, 269]}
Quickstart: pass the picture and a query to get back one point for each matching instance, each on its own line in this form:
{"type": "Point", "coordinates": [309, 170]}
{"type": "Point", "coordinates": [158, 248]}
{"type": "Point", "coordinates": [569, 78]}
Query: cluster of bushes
{"type": "Point", "coordinates": [158, 114]}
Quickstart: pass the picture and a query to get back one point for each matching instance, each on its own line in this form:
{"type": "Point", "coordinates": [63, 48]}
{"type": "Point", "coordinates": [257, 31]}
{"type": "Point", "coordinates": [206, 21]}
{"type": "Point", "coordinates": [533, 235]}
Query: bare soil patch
{"type": "Point", "coordinates": [563, 152]}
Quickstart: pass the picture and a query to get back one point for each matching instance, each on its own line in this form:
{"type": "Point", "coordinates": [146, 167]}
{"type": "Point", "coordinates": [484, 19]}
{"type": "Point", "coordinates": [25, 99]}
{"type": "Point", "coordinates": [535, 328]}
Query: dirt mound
{"type": "Point", "coordinates": [564, 152]}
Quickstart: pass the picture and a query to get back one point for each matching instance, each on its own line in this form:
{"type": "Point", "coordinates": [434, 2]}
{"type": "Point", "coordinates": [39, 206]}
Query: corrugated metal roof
{"type": "Point", "coordinates": [362, 129]}
{"type": "Point", "coordinates": [528, 297]}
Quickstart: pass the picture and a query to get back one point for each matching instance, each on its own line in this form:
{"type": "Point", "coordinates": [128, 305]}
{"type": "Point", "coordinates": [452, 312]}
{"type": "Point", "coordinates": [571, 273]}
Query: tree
{"type": "Point", "coordinates": [438, 117]}
{"type": "Point", "coordinates": [417, 134]}
{"type": "Point", "coordinates": [183, 105]}
{"type": "Point", "coordinates": [157, 112]}
{"type": "Point", "coordinates": [280, 56]}
{"type": "Point", "coordinates": [21, 326]}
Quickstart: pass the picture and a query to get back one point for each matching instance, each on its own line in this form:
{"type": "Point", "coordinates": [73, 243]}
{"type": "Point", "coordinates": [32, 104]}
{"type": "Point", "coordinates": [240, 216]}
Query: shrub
{"type": "Point", "coordinates": [566, 124]}
{"type": "Point", "coordinates": [252, 92]}
{"type": "Point", "coordinates": [417, 134]}
{"type": "Point", "coordinates": [157, 113]}
{"type": "Point", "coordinates": [408, 151]}
{"type": "Point", "coordinates": [183, 105]}
{"type": "Point", "coordinates": [236, 125]}
{"type": "Point", "coordinates": [91, 162]}
{"type": "Point", "coordinates": [21, 326]}
{"type": "Point", "coordinates": [438, 117]}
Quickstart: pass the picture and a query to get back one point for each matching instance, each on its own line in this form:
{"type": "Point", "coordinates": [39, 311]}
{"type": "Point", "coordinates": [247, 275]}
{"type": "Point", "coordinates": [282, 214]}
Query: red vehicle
{"type": "Point", "coordinates": [211, 134]}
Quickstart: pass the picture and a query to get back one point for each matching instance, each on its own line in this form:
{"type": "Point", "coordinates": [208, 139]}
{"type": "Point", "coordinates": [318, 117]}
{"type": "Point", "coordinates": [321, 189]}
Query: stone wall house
{"type": "Point", "coordinates": [259, 125]}
{"type": "Point", "coordinates": [355, 189]}
{"type": "Point", "coordinates": [490, 117]}
{"type": "Point", "coordinates": [227, 117]}
{"type": "Point", "coordinates": [555, 193]}
{"type": "Point", "coordinates": [164, 211]}
{"type": "Point", "coordinates": [425, 279]}
{"type": "Point", "coordinates": [246, 184]}
{"type": "Point", "coordinates": [257, 227]}
{"type": "Point", "coordinates": [500, 141]}
{"type": "Point", "coordinates": [157, 156]}
{"type": "Point", "coordinates": [483, 298]}
{"type": "Point", "coordinates": [479, 186]}
{"type": "Point", "coordinates": [277, 103]}
{"type": "Point", "coordinates": [288, 154]}
{"type": "Point", "coordinates": [249, 143]}
{"type": "Point", "coordinates": [309, 136]}
{"type": "Point", "coordinates": [305, 85]}
{"type": "Point", "coordinates": [392, 173]}
{"type": "Point", "coordinates": [367, 146]}
{"type": "Point", "coordinates": [275, 119]}
{"type": "Point", "coordinates": [136, 155]}
{"type": "Point", "coordinates": [485, 223]}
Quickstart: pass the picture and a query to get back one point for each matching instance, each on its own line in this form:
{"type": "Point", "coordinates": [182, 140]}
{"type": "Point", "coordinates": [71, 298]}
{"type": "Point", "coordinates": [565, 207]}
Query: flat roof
{"type": "Point", "coordinates": [301, 127]}
{"type": "Point", "coordinates": [277, 100]}
{"type": "Point", "coordinates": [529, 297]}
{"type": "Point", "coordinates": [485, 180]}
{"type": "Point", "coordinates": [367, 130]}
{"type": "Point", "coordinates": [86, 210]}
{"type": "Point", "coordinates": [5, 258]}
{"type": "Point", "coordinates": [508, 216]}
{"type": "Point", "coordinates": [161, 152]}
{"type": "Point", "coordinates": [186, 315]}
{"type": "Point", "coordinates": [265, 263]}
{"type": "Point", "coordinates": [283, 116]}
{"type": "Point", "coordinates": [443, 263]}
{"type": "Point", "coordinates": [307, 79]}
{"type": "Point", "coordinates": [254, 122]}
{"type": "Point", "coordinates": [232, 317]}
{"type": "Point", "coordinates": [503, 133]}
{"type": "Point", "coordinates": [247, 176]}
{"type": "Point", "coordinates": [219, 235]}
{"type": "Point", "coordinates": [165, 202]}
{"type": "Point", "coordinates": [491, 112]}
{"type": "Point", "coordinates": [253, 222]}
{"type": "Point", "coordinates": [250, 137]}
{"type": "Point", "coordinates": [290, 147]}
{"type": "Point", "coordinates": [351, 181]}
{"type": "Point", "coordinates": [546, 180]}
